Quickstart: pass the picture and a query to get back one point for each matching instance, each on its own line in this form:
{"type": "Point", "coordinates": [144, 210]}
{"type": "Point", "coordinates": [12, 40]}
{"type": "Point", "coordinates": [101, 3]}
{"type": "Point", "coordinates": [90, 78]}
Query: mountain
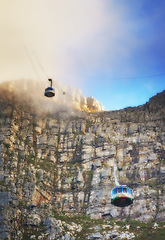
{"type": "Point", "coordinates": [66, 98]}
{"type": "Point", "coordinates": [56, 169]}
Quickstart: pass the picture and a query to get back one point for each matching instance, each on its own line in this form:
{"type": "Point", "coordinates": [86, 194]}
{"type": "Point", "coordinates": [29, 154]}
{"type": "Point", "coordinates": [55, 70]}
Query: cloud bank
{"type": "Point", "coordinates": [82, 43]}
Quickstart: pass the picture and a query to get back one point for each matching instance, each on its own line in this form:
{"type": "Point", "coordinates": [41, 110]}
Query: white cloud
{"type": "Point", "coordinates": [64, 35]}
{"type": "Point", "coordinates": [72, 39]}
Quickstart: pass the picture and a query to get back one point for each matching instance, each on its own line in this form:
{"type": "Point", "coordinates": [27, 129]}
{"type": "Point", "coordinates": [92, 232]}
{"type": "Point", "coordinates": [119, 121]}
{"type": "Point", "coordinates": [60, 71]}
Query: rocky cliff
{"type": "Point", "coordinates": [58, 167]}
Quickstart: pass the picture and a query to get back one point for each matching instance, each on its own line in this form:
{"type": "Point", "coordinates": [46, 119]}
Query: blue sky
{"type": "Point", "coordinates": [112, 50]}
{"type": "Point", "coordinates": [140, 74]}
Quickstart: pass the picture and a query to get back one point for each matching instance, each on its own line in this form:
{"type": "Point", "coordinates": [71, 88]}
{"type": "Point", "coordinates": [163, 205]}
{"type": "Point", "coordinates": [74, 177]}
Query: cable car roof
{"type": "Point", "coordinates": [49, 89]}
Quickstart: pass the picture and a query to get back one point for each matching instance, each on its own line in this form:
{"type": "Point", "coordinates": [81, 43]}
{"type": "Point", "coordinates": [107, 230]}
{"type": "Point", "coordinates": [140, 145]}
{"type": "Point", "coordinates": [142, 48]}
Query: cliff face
{"type": "Point", "coordinates": [54, 164]}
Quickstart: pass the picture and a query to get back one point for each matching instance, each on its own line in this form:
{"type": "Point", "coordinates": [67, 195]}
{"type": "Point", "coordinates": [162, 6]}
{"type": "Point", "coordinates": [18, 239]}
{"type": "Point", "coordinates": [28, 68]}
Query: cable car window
{"type": "Point", "coordinates": [129, 190]}
{"type": "Point", "coordinates": [115, 191]}
{"type": "Point", "coordinates": [119, 190]}
{"type": "Point", "coordinates": [124, 190]}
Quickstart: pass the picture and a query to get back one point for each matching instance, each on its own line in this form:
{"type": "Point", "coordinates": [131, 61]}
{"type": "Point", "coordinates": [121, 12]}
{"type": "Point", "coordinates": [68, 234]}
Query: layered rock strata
{"type": "Point", "coordinates": [64, 162]}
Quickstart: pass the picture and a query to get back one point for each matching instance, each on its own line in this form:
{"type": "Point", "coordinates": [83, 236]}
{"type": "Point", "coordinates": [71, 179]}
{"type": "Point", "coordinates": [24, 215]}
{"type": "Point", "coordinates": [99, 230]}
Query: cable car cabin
{"type": "Point", "coordinates": [122, 196]}
{"type": "Point", "coordinates": [49, 91]}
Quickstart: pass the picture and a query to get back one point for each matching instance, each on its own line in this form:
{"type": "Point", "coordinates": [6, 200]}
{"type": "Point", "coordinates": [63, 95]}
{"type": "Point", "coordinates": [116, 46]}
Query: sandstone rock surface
{"type": "Point", "coordinates": [63, 164]}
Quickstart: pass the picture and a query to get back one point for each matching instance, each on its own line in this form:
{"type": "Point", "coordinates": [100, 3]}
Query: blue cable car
{"type": "Point", "coordinates": [49, 91]}
{"type": "Point", "coordinates": [121, 196]}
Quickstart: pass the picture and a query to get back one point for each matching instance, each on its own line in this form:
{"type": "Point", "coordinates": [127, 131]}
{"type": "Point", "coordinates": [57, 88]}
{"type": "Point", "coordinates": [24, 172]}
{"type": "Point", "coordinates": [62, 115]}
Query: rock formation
{"type": "Point", "coordinates": [61, 164]}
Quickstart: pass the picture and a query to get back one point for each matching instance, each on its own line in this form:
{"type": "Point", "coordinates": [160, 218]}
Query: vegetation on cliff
{"type": "Point", "coordinates": [56, 171]}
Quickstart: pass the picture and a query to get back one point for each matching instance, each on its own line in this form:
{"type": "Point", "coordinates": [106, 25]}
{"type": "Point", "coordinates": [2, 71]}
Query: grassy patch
{"type": "Point", "coordinates": [152, 234]}
{"type": "Point", "coordinates": [88, 225]}
{"type": "Point", "coordinates": [144, 230]}
{"type": "Point", "coordinates": [32, 231]}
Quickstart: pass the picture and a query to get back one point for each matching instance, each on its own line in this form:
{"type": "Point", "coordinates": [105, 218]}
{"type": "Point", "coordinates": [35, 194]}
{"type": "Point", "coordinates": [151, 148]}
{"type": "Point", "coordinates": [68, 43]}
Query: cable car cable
{"type": "Point", "coordinates": [31, 62]}
{"type": "Point", "coordinates": [33, 66]}
{"type": "Point", "coordinates": [41, 66]}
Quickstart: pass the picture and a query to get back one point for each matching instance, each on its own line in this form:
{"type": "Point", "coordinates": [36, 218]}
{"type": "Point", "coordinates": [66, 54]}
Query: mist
{"type": "Point", "coordinates": [95, 46]}
{"type": "Point", "coordinates": [66, 99]}
{"type": "Point", "coordinates": [67, 37]}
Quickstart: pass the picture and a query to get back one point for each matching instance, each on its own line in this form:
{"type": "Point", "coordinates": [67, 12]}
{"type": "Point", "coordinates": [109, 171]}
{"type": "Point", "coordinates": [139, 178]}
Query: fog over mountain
{"type": "Point", "coordinates": [66, 98]}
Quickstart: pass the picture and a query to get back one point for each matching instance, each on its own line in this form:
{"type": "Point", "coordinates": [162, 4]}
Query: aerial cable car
{"type": "Point", "coordinates": [49, 91]}
{"type": "Point", "coordinates": [121, 196]}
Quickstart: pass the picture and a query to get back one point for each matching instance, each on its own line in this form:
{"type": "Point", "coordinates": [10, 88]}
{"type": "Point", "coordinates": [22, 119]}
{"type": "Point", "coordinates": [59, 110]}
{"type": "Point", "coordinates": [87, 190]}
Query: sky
{"type": "Point", "coordinates": [112, 50]}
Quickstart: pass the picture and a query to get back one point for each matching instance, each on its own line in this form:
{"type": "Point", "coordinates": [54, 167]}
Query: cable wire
{"type": "Point", "coordinates": [31, 62]}
{"type": "Point", "coordinates": [41, 66]}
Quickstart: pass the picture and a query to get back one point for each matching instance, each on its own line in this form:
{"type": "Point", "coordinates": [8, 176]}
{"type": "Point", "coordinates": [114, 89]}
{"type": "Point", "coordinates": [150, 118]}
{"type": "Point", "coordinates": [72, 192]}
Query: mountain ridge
{"type": "Point", "coordinates": [59, 165]}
